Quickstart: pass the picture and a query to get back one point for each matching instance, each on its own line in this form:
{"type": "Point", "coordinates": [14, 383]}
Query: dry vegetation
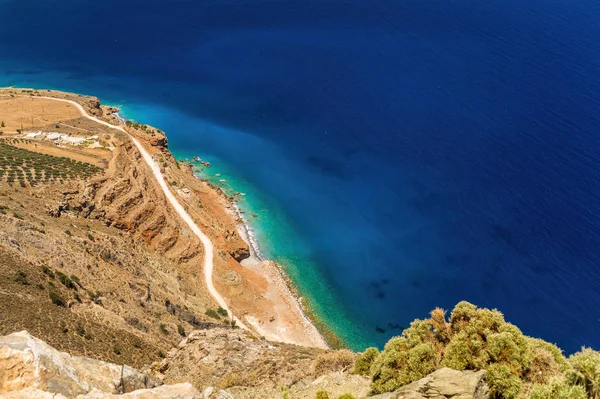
{"type": "Point", "coordinates": [474, 338]}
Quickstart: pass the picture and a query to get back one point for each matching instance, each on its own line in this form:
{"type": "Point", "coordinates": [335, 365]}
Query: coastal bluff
{"type": "Point", "coordinates": [88, 237]}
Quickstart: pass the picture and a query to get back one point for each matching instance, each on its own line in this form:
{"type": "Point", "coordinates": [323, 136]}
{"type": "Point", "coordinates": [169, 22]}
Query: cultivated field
{"type": "Point", "coordinates": [28, 168]}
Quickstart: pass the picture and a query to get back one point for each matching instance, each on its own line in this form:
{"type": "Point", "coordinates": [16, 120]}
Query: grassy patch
{"type": "Point", "coordinates": [222, 312]}
{"type": "Point", "coordinates": [21, 278]}
{"type": "Point", "coordinates": [212, 313]}
{"type": "Point", "coordinates": [57, 299]}
{"type": "Point", "coordinates": [66, 281]}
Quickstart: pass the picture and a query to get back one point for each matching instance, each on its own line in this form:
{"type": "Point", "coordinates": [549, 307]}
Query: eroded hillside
{"type": "Point", "coordinates": [94, 260]}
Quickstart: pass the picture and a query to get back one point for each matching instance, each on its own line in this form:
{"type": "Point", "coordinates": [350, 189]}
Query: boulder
{"type": "Point", "coordinates": [27, 362]}
{"type": "Point", "coordinates": [159, 141]}
{"type": "Point", "coordinates": [444, 383]}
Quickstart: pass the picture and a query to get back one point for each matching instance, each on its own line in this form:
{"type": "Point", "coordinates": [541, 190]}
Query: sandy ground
{"type": "Point", "coordinates": [28, 113]}
{"type": "Point", "coordinates": [288, 323]}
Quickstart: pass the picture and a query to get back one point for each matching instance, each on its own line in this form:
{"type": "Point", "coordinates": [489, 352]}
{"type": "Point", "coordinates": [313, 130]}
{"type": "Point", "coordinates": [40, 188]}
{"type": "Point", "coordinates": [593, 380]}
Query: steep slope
{"type": "Point", "coordinates": [100, 264]}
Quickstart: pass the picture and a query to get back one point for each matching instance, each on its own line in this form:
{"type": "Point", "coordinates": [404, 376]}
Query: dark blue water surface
{"type": "Point", "coordinates": [426, 152]}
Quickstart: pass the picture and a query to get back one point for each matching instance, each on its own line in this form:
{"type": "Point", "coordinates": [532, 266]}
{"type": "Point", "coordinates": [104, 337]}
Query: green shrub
{"type": "Point", "coordinates": [586, 371]}
{"type": "Point", "coordinates": [546, 362]}
{"type": "Point", "coordinates": [503, 383]}
{"type": "Point", "coordinates": [66, 280]}
{"type": "Point", "coordinates": [399, 364]}
{"type": "Point", "coordinates": [480, 339]}
{"type": "Point", "coordinates": [211, 313]}
{"type": "Point", "coordinates": [322, 394]}
{"type": "Point", "coordinates": [80, 330]}
{"type": "Point", "coordinates": [57, 299]}
{"type": "Point", "coordinates": [557, 389]}
{"type": "Point", "coordinates": [422, 360]}
{"type": "Point", "coordinates": [163, 329]}
{"type": "Point", "coordinates": [94, 295]}
{"type": "Point", "coordinates": [470, 328]}
{"type": "Point", "coordinates": [222, 312]}
{"type": "Point", "coordinates": [21, 278]}
{"type": "Point", "coordinates": [466, 352]}
{"type": "Point", "coordinates": [76, 280]}
{"type": "Point", "coordinates": [509, 346]}
{"type": "Point", "coordinates": [364, 361]}
{"type": "Point", "coordinates": [117, 349]}
{"type": "Point", "coordinates": [181, 330]}
{"type": "Point", "coordinates": [346, 396]}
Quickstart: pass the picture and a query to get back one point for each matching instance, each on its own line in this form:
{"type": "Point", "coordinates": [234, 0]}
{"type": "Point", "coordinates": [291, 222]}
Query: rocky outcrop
{"type": "Point", "coordinates": [178, 391]}
{"type": "Point", "coordinates": [93, 106]}
{"type": "Point", "coordinates": [252, 368]}
{"type": "Point", "coordinates": [226, 357]}
{"type": "Point", "coordinates": [159, 140]}
{"type": "Point", "coordinates": [29, 368]}
{"type": "Point", "coordinates": [444, 383]}
{"type": "Point", "coordinates": [240, 253]}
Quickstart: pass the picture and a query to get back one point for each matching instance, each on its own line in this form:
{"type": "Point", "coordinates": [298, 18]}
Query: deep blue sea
{"type": "Point", "coordinates": [400, 154]}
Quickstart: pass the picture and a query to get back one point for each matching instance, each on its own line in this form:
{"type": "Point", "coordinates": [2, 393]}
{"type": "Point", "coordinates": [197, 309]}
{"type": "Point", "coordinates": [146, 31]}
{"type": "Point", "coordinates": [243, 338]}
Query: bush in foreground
{"type": "Point", "coordinates": [586, 371]}
{"type": "Point", "coordinates": [364, 361]}
{"type": "Point", "coordinates": [557, 389]}
{"type": "Point", "coordinates": [480, 339]}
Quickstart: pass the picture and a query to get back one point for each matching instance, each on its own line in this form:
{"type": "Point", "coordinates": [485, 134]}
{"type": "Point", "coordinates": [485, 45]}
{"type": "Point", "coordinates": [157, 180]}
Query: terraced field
{"type": "Point", "coordinates": [28, 168]}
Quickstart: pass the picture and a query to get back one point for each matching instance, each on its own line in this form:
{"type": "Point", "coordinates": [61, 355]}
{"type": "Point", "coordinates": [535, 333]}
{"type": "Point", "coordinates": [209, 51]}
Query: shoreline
{"type": "Point", "coordinates": [281, 290]}
{"type": "Point", "coordinates": [312, 325]}
{"type": "Point", "coordinates": [309, 318]}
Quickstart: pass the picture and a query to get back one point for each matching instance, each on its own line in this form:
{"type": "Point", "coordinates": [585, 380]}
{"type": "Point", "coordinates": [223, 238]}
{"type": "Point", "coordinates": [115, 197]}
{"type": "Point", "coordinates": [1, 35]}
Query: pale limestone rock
{"type": "Point", "coordinates": [27, 362]}
{"type": "Point", "coordinates": [177, 391]}
{"type": "Point", "coordinates": [444, 383]}
{"type": "Point", "coordinates": [223, 395]}
{"type": "Point", "coordinates": [31, 393]}
{"type": "Point", "coordinates": [207, 393]}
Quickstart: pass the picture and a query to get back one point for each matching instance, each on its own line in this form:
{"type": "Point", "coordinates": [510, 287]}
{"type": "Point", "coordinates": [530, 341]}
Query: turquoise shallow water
{"type": "Point", "coordinates": [277, 237]}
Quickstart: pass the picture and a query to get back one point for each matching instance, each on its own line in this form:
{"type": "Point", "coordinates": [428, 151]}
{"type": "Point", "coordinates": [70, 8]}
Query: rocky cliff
{"type": "Point", "coordinates": [29, 368]}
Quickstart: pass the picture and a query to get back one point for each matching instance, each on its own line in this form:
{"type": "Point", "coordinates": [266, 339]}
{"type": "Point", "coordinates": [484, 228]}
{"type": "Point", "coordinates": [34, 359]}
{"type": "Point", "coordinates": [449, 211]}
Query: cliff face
{"type": "Point", "coordinates": [31, 369]}
{"type": "Point", "coordinates": [136, 267]}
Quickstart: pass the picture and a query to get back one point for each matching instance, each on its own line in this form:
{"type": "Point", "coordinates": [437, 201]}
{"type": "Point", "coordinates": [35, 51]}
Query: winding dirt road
{"type": "Point", "coordinates": [208, 247]}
